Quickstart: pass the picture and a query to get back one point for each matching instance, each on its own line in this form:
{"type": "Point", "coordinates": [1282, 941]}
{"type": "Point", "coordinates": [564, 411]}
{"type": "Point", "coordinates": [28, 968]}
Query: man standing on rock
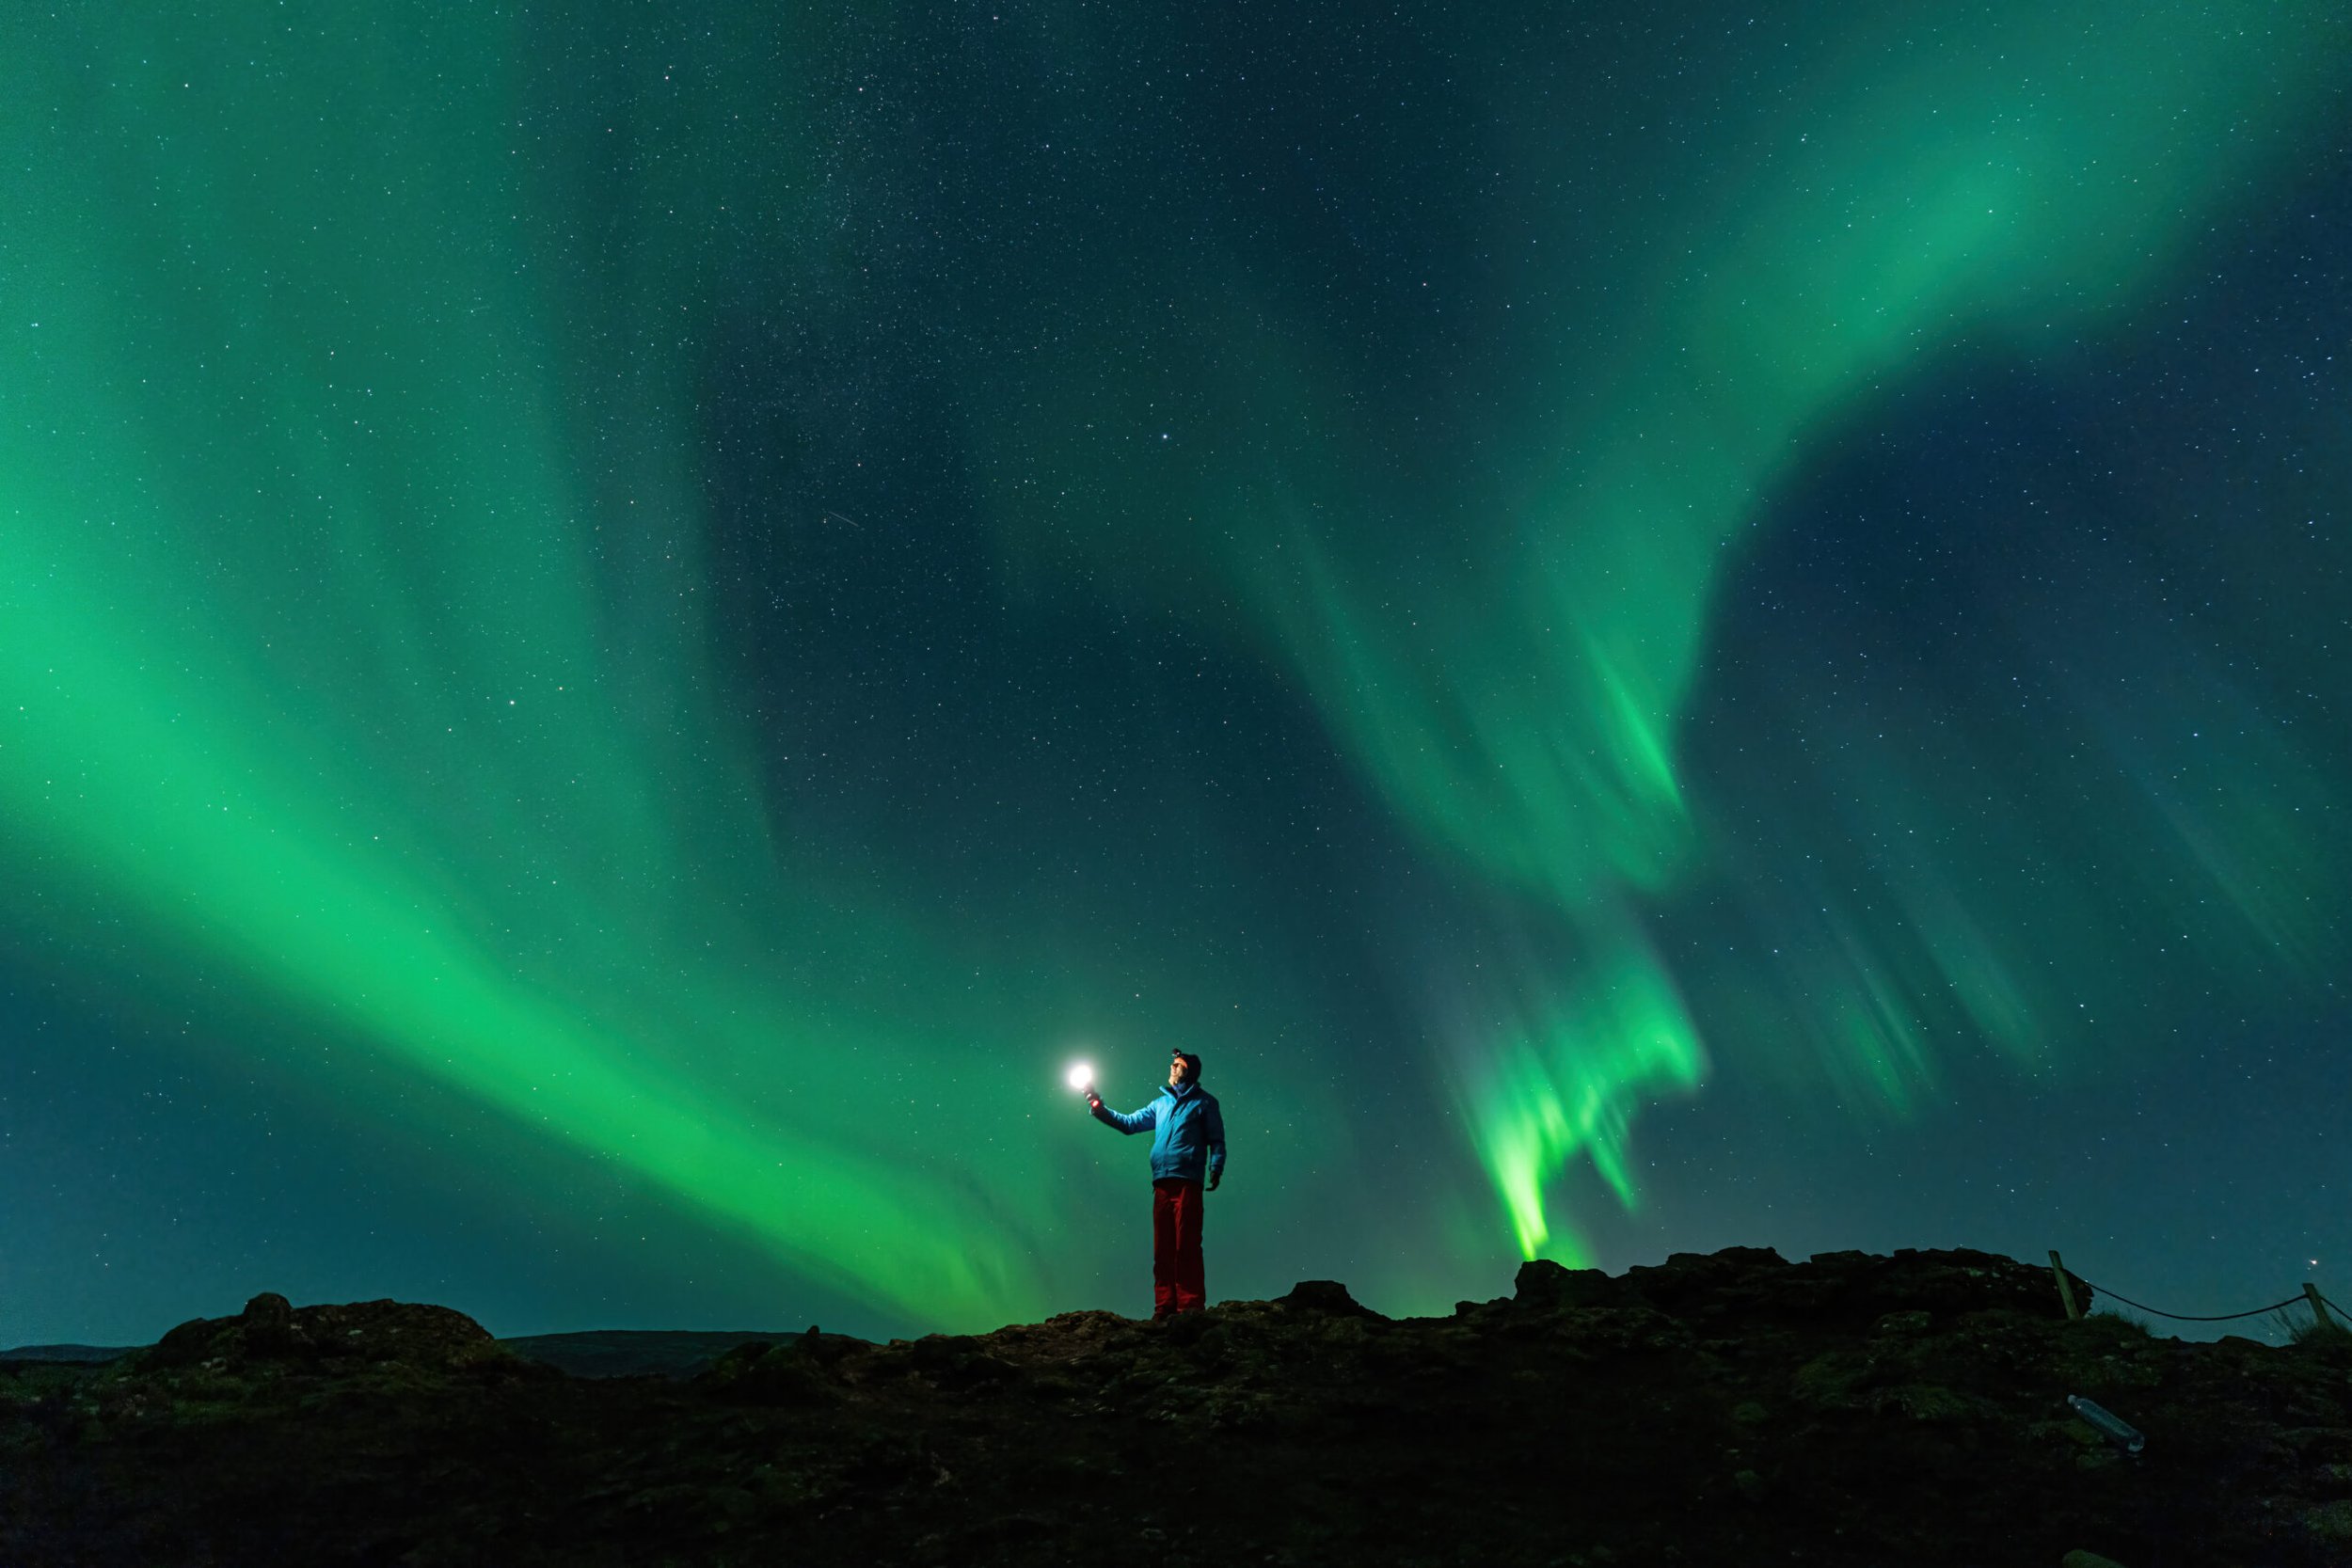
{"type": "Point", "coordinates": [1188, 1143]}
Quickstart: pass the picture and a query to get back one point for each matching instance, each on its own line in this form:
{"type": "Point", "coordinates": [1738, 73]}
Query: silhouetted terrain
{"type": "Point", "coordinates": [1725, 1409]}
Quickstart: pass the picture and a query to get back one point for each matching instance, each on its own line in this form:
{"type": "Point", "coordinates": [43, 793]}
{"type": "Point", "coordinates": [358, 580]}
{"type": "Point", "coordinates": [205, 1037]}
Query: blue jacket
{"type": "Point", "coordinates": [1187, 1132]}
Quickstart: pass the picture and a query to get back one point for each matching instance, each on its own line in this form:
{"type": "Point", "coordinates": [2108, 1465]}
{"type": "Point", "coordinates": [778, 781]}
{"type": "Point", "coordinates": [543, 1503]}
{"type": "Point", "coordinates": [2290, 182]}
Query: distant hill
{"type": "Point", "coordinates": [597, 1352]}
{"type": "Point", "coordinates": [66, 1353]}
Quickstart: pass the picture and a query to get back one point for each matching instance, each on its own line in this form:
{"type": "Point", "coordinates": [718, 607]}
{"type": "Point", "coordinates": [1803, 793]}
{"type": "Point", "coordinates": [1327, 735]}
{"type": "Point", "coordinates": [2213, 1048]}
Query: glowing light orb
{"type": "Point", "coordinates": [1081, 1076]}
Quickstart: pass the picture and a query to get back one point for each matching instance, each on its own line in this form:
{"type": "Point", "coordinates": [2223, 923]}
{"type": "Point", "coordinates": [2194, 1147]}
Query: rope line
{"type": "Point", "coordinates": [2331, 1302]}
{"type": "Point", "coordinates": [2184, 1318]}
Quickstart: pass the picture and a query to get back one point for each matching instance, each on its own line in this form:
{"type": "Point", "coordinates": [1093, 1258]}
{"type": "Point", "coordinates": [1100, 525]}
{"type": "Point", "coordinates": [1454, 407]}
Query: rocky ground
{"type": "Point", "coordinates": [1725, 1409]}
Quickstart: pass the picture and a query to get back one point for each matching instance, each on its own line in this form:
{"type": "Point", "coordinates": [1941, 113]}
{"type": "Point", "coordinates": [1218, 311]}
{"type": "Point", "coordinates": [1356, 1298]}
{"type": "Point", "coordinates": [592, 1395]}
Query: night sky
{"type": "Point", "coordinates": [623, 628]}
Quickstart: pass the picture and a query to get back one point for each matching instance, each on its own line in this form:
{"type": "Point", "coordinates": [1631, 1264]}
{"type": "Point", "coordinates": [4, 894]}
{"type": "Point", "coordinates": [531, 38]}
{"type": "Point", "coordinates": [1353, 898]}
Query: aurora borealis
{"type": "Point", "coordinates": [620, 632]}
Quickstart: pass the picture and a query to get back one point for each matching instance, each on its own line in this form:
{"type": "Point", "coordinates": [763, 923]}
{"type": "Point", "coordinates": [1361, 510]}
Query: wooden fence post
{"type": "Point", "coordinates": [2066, 1289]}
{"type": "Point", "coordinates": [2319, 1308]}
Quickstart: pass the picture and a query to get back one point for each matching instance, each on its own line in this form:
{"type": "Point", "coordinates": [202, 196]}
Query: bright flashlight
{"type": "Point", "coordinates": [1081, 1076]}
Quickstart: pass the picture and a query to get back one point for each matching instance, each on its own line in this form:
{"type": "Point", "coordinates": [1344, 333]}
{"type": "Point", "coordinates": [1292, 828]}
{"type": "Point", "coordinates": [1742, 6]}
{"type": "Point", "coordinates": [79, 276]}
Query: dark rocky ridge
{"type": "Point", "coordinates": [1733, 1408]}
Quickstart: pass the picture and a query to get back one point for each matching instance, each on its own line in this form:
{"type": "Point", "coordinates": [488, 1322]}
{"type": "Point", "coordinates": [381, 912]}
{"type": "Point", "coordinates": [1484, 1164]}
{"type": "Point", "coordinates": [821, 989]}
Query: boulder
{"type": "Point", "coordinates": [1724, 1280]}
{"type": "Point", "coordinates": [1544, 1283]}
{"type": "Point", "coordinates": [272, 1329]}
{"type": "Point", "coordinates": [1328, 1297]}
{"type": "Point", "coordinates": [786, 1373]}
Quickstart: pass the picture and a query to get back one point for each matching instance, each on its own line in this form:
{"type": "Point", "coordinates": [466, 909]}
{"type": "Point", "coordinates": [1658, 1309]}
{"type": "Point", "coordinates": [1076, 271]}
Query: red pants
{"type": "Point", "coordinates": [1177, 1282]}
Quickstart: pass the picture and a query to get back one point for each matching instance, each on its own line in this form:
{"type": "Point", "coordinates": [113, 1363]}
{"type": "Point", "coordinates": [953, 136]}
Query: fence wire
{"type": "Point", "coordinates": [2294, 1300]}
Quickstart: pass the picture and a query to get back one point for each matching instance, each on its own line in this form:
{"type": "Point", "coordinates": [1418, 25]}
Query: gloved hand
{"type": "Point", "coordinates": [1094, 1102]}
{"type": "Point", "coordinates": [1215, 1180]}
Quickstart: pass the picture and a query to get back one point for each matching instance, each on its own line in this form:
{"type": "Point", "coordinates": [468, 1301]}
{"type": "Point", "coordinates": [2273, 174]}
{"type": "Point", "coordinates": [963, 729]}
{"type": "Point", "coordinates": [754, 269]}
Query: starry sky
{"type": "Point", "coordinates": [623, 628]}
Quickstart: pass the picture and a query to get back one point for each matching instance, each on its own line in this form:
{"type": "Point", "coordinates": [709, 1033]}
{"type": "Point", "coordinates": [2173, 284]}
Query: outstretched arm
{"type": "Point", "coordinates": [1130, 1121]}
